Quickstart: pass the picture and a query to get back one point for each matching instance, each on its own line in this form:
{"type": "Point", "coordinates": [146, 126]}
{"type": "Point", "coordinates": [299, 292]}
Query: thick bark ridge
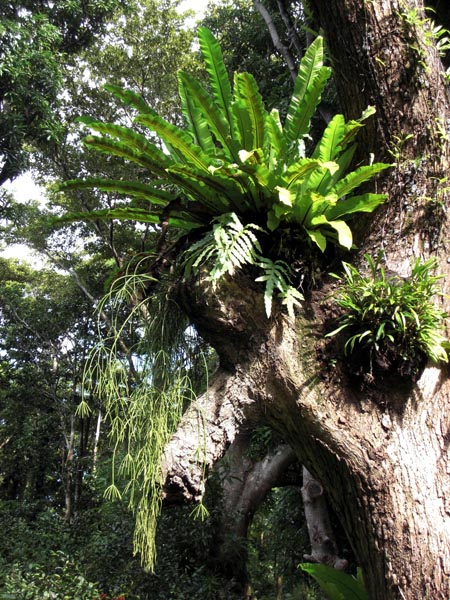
{"type": "Point", "coordinates": [380, 451]}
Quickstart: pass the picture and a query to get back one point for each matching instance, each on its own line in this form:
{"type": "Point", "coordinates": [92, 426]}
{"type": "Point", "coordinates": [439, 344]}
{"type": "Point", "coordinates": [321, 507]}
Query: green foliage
{"type": "Point", "coordinates": [247, 46]}
{"type": "Point", "coordinates": [30, 79]}
{"type": "Point", "coordinates": [336, 584]}
{"type": "Point", "coordinates": [277, 541]}
{"type": "Point", "coordinates": [389, 314]}
{"type": "Point", "coordinates": [35, 38]}
{"type": "Point", "coordinates": [234, 157]}
{"type": "Point", "coordinates": [64, 580]}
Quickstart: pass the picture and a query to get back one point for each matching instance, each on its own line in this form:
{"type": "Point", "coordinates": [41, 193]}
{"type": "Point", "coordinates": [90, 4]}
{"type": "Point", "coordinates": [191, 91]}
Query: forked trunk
{"type": "Point", "coordinates": [380, 449]}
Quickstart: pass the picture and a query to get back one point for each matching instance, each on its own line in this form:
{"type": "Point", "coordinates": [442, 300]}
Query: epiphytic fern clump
{"type": "Point", "coordinates": [234, 162]}
{"type": "Point", "coordinates": [392, 321]}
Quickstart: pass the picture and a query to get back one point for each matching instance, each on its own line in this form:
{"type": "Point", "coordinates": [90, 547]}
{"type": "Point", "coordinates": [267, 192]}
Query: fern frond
{"type": "Point", "coordinates": [356, 178]}
{"type": "Point", "coordinates": [251, 129]}
{"type": "Point", "coordinates": [228, 246]}
{"type": "Point", "coordinates": [127, 136]}
{"type": "Point", "coordinates": [134, 189]}
{"type": "Point", "coordinates": [121, 150]}
{"type": "Point", "coordinates": [195, 120]}
{"type": "Point", "coordinates": [330, 142]}
{"type": "Point", "coordinates": [218, 76]}
{"type": "Point", "coordinates": [311, 79]}
{"type": "Point", "coordinates": [130, 98]}
{"type": "Point", "coordinates": [217, 122]}
{"type": "Point", "coordinates": [178, 139]}
{"type": "Point", "coordinates": [277, 276]}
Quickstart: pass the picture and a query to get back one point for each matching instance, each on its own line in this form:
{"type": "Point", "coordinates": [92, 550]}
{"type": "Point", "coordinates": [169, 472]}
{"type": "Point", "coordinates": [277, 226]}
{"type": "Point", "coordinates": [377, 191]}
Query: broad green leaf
{"type": "Point", "coordinates": [129, 98]}
{"type": "Point", "coordinates": [218, 76]}
{"type": "Point", "coordinates": [328, 146]}
{"type": "Point", "coordinates": [285, 196]}
{"type": "Point", "coordinates": [131, 214]}
{"type": "Point", "coordinates": [217, 122]}
{"type": "Point", "coordinates": [299, 170]}
{"type": "Point", "coordinates": [337, 585]}
{"type": "Point", "coordinates": [311, 79]}
{"type": "Point", "coordinates": [356, 178]}
{"type": "Point", "coordinates": [364, 203]}
{"type": "Point", "coordinates": [301, 125]}
{"type": "Point", "coordinates": [127, 136]}
{"type": "Point", "coordinates": [318, 238]}
{"type": "Point", "coordinates": [134, 189]}
{"type": "Point", "coordinates": [121, 150]}
{"type": "Point", "coordinates": [197, 124]}
{"type": "Point", "coordinates": [246, 90]}
{"type": "Point", "coordinates": [344, 233]}
{"type": "Point", "coordinates": [248, 198]}
{"type": "Point", "coordinates": [218, 192]}
{"type": "Point", "coordinates": [265, 181]}
{"type": "Point", "coordinates": [275, 145]}
{"type": "Point", "coordinates": [243, 126]}
{"type": "Point", "coordinates": [178, 139]}
{"type": "Point", "coordinates": [328, 180]}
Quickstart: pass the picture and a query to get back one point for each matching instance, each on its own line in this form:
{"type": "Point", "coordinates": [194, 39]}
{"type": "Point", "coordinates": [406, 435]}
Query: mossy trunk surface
{"type": "Point", "coordinates": [379, 448]}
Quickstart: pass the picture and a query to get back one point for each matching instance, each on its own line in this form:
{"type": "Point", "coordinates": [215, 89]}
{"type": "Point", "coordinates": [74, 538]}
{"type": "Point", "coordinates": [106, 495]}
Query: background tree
{"type": "Point", "coordinates": [36, 39]}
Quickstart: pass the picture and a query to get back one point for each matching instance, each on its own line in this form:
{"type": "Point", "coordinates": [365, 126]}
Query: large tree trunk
{"type": "Point", "coordinates": [381, 452]}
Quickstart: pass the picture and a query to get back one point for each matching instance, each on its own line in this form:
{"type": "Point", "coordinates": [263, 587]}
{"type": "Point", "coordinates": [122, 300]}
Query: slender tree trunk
{"type": "Point", "coordinates": [245, 484]}
{"type": "Point", "coordinates": [68, 472]}
{"type": "Point", "coordinates": [282, 49]}
{"type": "Point", "coordinates": [323, 543]}
{"type": "Point", "coordinates": [380, 452]}
{"type": "Point", "coordinates": [96, 440]}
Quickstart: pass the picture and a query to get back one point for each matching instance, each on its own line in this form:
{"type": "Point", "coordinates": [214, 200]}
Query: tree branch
{"type": "Point", "coordinates": [282, 49]}
{"type": "Point", "coordinates": [206, 431]}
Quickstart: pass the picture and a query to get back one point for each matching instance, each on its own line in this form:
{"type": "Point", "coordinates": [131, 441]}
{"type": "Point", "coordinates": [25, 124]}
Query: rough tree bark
{"type": "Point", "coordinates": [380, 452]}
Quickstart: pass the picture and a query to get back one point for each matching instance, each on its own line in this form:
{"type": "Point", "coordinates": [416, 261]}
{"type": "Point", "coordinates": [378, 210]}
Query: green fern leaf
{"type": "Point", "coordinates": [217, 122]}
{"type": "Point", "coordinates": [299, 126]}
{"type": "Point", "coordinates": [197, 124]}
{"type": "Point", "coordinates": [127, 136]}
{"type": "Point", "coordinates": [275, 144]}
{"type": "Point", "coordinates": [311, 79]}
{"type": "Point", "coordinates": [247, 92]}
{"type": "Point", "coordinates": [178, 139]}
{"type": "Point", "coordinates": [129, 188]}
{"type": "Point", "coordinates": [356, 178]}
{"type": "Point", "coordinates": [329, 144]}
{"type": "Point", "coordinates": [291, 298]}
{"type": "Point", "coordinates": [218, 76]}
{"type": "Point", "coordinates": [129, 98]}
{"type": "Point", "coordinates": [297, 172]}
{"type": "Point", "coordinates": [325, 184]}
{"type": "Point", "coordinates": [318, 238]}
{"type": "Point", "coordinates": [121, 150]}
{"type": "Point", "coordinates": [277, 277]}
{"type": "Point", "coordinates": [127, 213]}
{"type": "Point", "coordinates": [214, 190]}
{"type": "Point", "coordinates": [364, 203]}
{"type": "Point", "coordinates": [229, 246]}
